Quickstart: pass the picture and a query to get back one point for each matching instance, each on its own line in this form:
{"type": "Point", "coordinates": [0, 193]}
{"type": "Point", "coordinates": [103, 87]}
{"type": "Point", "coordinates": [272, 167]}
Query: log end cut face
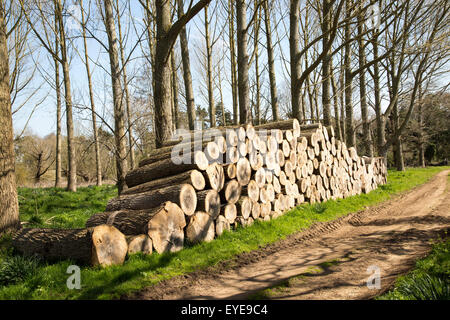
{"type": "Point", "coordinates": [140, 243]}
{"type": "Point", "coordinates": [166, 229]}
{"type": "Point", "coordinates": [243, 171]}
{"type": "Point", "coordinates": [188, 199]}
{"type": "Point", "coordinates": [109, 246]}
{"type": "Point", "coordinates": [201, 228]}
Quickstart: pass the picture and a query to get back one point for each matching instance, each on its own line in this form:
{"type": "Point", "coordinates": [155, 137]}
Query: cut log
{"type": "Point", "coordinates": [182, 150]}
{"type": "Point", "coordinates": [193, 177]}
{"type": "Point", "coordinates": [244, 207]}
{"type": "Point", "coordinates": [164, 168]}
{"type": "Point", "coordinates": [251, 190]}
{"type": "Point", "coordinates": [232, 155]}
{"type": "Point", "coordinates": [243, 171]}
{"type": "Point", "coordinates": [140, 244]}
{"type": "Point", "coordinates": [209, 201]}
{"type": "Point", "coordinates": [230, 212]}
{"type": "Point", "coordinates": [265, 209]}
{"type": "Point", "coordinates": [201, 228]}
{"type": "Point", "coordinates": [182, 194]}
{"type": "Point", "coordinates": [212, 151]}
{"type": "Point", "coordinates": [129, 222]}
{"type": "Point", "coordinates": [256, 160]}
{"type": "Point", "coordinates": [242, 149]}
{"type": "Point", "coordinates": [272, 144]}
{"type": "Point", "coordinates": [270, 190]}
{"type": "Point", "coordinates": [166, 229]}
{"type": "Point", "coordinates": [269, 176]}
{"type": "Point", "coordinates": [256, 210]}
{"type": "Point", "coordinates": [260, 177]}
{"type": "Point", "coordinates": [230, 171]}
{"type": "Point", "coordinates": [286, 148]}
{"type": "Point", "coordinates": [291, 124]}
{"type": "Point", "coordinates": [102, 245]}
{"type": "Point", "coordinates": [222, 224]}
{"type": "Point", "coordinates": [215, 176]}
{"type": "Point", "coordinates": [231, 192]}
{"type": "Point", "coordinates": [276, 185]}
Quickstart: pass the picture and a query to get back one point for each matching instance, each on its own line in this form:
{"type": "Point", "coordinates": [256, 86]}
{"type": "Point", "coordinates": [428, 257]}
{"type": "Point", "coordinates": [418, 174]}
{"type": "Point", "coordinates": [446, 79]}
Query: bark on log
{"type": "Point", "coordinates": [164, 168]}
{"type": "Point", "coordinates": [193, 177]}
{"type": "Point", "coordinates": [102, 245]}
{"type": "Point", "coordinates": [182, 194]}
{"type": "Point", "coordinates": [291, 124]}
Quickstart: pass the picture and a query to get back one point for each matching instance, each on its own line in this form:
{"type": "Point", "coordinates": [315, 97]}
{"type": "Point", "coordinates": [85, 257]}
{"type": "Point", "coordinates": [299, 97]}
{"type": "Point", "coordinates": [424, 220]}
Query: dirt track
{"type": "Point", "coordinates": [330, 260]}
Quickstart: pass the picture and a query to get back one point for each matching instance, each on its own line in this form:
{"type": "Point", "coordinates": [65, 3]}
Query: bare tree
{"type": "Point", "coordinates": [119, 112]}
{"type": "Point", "coordinates": [187, 77]}
{"type": "Point", "coordinates": [125, 88]}
{"type": "Point", "coordinates": [9, 210]}
{"type": "Point", "coordinates": [167, 34]}
{"type": "Point", "coordinates": [91, 98]}
{"type": "Point", "coordinates": [245, 115]}
{"type": "Point", "coordinates": [271, 62]}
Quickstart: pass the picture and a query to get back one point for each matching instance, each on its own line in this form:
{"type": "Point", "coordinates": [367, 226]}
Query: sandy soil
{"type": "Point", "coordinates": [329, 260]}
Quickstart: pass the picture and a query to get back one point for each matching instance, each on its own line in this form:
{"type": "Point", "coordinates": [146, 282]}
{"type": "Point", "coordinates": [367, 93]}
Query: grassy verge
{"type": "Point", "coordinates": [58, 208]}
{"type": "Point", "coordinates": [429, 280]}
{"type": "Point", "coordinates": [48, 281]}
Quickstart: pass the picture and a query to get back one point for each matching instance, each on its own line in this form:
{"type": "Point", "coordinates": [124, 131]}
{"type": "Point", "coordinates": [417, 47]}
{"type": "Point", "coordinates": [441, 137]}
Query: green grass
{"type": "Point", "coordinates": [140, 271]}
{"type": "Point", "coordinates": [429, 280]}
{"type": "Point", "coordinates": [58, 208]}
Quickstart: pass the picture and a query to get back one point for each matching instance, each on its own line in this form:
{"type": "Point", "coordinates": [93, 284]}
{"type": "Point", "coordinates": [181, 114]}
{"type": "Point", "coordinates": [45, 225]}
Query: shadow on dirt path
{"type": "Point", "coordinates": [329, 260]}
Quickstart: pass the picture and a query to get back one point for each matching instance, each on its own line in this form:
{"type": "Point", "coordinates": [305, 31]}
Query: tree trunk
{"type": "Point", "coordinates": [9, 208]}
{"type": "Point", "coordinates": [294, 42]}
{"type": "Point", "coordinates": [350, 137]}
{"type": "Point", "coordinates": [257, 75]}
{"type": "Point", "coordinates": [271, 63]}
{"type": "Point", "coordinates": [367, 139]}
{"type": "Point", "coordinates": [127, 95]}
{"type": "Point", "coordinates": [234, 89]}
{"type": "Point", "coordinates": [119, 129]}
{"type": "Point", "coordinates": [326, 101]}
{"type": "Point", "coordinates": [421, 129]}
{"type": "Point", "coordinates": [72, 170]}
{"type": "Point", "coordinates": [209, 73]}
{"type": "Point", "coordinates": [243, 84]}
{"type": "Point", "coordinates": [91, 97]}
{"type": "Point", "coordinates": [189, 92]}
{"type": "Point", "coordinates": [380, 122]}
{"type": "Point", "coordinates": [162, 95]}
{"type": "Point", "coordinates": [58, 182]}
{"type": "Point", "coordinates": [176, 116]}
{"type": "Point", "coordinates": [337, 121]}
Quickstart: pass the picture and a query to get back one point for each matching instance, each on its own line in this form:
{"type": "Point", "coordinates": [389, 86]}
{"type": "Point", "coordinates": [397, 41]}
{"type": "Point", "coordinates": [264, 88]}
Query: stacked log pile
{"type": "Point", "coordinates": [193, 191]}
{"type": "Point", "coordinates": [241, 175]}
